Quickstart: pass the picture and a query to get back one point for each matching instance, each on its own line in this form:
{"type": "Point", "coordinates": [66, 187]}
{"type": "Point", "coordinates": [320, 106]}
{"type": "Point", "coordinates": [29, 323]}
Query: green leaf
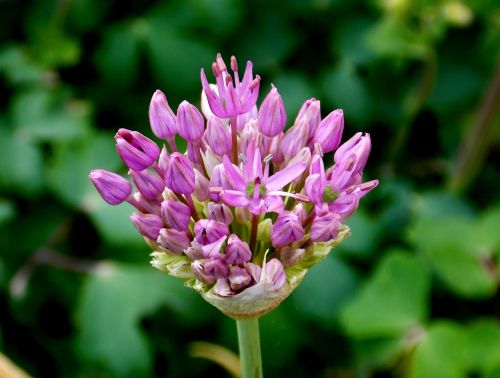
{"type": "Point", "coordinates": [364, 240]}
{"type": "Point", "coordinates": [111, 305]}
{"type": "Point", "coordinates": [44, 115]}
{"type": "Point", "coordinates": [18, 66]}
{"type": "Point", "coordinates": [7, 211]}
{"type": "Point", "coordinates": [180, 70]}
{"type": "Point", "coordinates": [483, 345]}
{"type": "Point", "coordinates": [344, 89]}
{"type": "Point", "coordinates": [326, 287]}
{"type": "Point", "coordinates": [71, 164]}
{"type": "Point", "coordinates": [441, 353]}
{"type": "Point", "coordinates": [117, 58]}
{"type": "Point", "coordinates": [21, 168]}
{"type": "Point", "coordinates": [391, 302]}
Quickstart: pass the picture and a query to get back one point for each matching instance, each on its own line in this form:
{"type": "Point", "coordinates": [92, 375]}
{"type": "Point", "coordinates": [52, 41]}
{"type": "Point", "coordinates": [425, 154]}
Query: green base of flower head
{"type": "Point", "coordinates": [258, 299]}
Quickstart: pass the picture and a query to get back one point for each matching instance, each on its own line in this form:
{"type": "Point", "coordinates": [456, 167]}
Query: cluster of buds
{"type": "Point", "coordinates": [249, 207]}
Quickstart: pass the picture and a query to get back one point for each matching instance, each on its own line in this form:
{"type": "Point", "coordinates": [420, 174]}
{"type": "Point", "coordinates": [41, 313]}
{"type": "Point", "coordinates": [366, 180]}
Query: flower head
{"type": "Point", "coordinates": [249, 207]}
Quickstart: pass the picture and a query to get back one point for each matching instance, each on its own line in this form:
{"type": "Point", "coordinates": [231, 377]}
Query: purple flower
{"type": "Point", "coordinates": [286, 229]}
{"type": "Point", "coordinates": [237, 251]}
{"type": "Point", "coordinates": [179, 176]}
{"type": "Point", "coordinates": [310, 112]}
{"type": "Point", "coordinates": [176, 214]}
{"type": "Point", "coordinates": [190, 123]}
{"type": "Point", "coordinates": [253, 188]}
{"type": "Point", "coordinates": [208, 231]}
{"type": "Point", "coordinates": [359, 146]}
{"type": "Point", "coordinates": [272, 114]}
{"type": "Point", "coordinates": [137, 151]}
{"type": "Point", "coordinates": [275, 273]}
{"type": "Point", "coordinates": [325, 227]}
{"type": "Point", "coordinates": [149, 184]}
{"type": "Point", "coordinates": [329, 131]}
{"type": "Point", "coordinates": [294, 139]}
{"type": "Point", "coordinates": [232, 96]}
{"type": "Point", "coordinates": [161, 118]}
{"type": "Point", "coordinates": [113, 188]}
{"type": "Point", "coordinates": [239, 278]}
{"type": "Point", "coordinates": [218, 136]}
{"type": "Point", "coordinates": [219, 212]}
{"type": "Point", "coordinates": [173, 240]}
{"type": "Point", "coordinates": [148, 225]}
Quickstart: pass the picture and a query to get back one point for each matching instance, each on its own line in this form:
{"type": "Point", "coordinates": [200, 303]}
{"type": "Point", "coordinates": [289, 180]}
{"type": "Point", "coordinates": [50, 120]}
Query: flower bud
{"type": "Point", "coordinates": [218, 136]}
{"type": "Point", "coordinates": [180, 175]}
{"type": "Point", "coordinates": [113, 188]}
{"type": "Point", "coordinates": [161, 118]}
{"type": "Point", "coordinates": [294, 139]}
{"type": "Point", "coordinates": [325, 227]}
{"type": "Point", "coordinates": [216, 267]}
{"type": "Point", "coordinates": [137, 151]}
{"type": "Point", "coordinates": [275, 273]}
{"type": "Point", "coordinates": [272, 114]}
{"type": "Point", "coordinates": [329, 132]}
{"type": "Point", "coordinates": [237, 251]}
{"type": "Point", "coordinates": [222, 288]}
{"type": "Point", "coordinates": [286, 229]}
{"type": "Point", "coordinates": [219, 212]}
{"type": "Point", "coordinates": [208, 231]}
{"type": "Point", "coordinates": [144, 205]}
{"type": "Point", "coordinates": [311, 113]}
{"type": "Point", "coordinates": [199, 271]}
{"type": "Point", "coordinates": [148, 225]}
{"type": "Point", "coordinates": [174, 240]}
{"type": "Point", "coordinates": [190, 123]}
{"type": "Point", "coordinates": [149, 184]}
{"type": "Point", "coordinates": [238, 278]}
{"type": "Point", "coordinates": [176, 214]}
{"type": "Point", "coordinates": [163, 160]}
{"type": "Point", "coordinates": [290, 256]}
{"type": "Point", "coordinates": [300, 211]}
{"type": "Point", "coordinates": [359, 146]}
{"type": "Point", "coordinates": [218, 180]}
{"type": "Point", "coordinates": [201, 186]}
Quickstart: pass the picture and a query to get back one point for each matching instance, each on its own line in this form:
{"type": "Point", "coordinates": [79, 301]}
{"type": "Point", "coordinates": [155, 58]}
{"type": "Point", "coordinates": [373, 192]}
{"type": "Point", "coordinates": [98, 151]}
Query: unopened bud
{"type": "Point", "coordinates": [286, 229]}
{"type": "Point", "coordinates": [137, 151]}
{"type": "Point", "coordinates": [176, 214]}
{"type": "Point", "coordinates": [161, 118]}
{"type": "Point", "coordinates": [149, 184]}
{"type": "Point", "coordinates": [208, 231]}
{"type": "Point", "coordinates": [272, 114]}
{"type": "Point", "coordinates": [190, 123]}
{"type": "Point", "coordinates": [148, 225]}
{"type": "Point", "coordinates": [329, 131]}
{"type": "Point", "coordinates": [180, 174]}
{"type": "Point", "coordinates": [113, 188]}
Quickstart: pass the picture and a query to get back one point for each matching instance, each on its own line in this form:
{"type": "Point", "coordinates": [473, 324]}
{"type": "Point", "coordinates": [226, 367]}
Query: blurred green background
{"type": "Point", "coordinates": [413, 292]}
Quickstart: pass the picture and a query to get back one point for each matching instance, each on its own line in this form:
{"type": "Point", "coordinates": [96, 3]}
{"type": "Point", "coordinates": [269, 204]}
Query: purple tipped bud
{"type": "Point", "coordinates": [237, 251]}
{"type": "Point", "coordinates": [359, 146]}
{"type": "Point", "coordinates": [144, 205]}
{"type": "Point", "coordinates": [161, 118]}
{"type": "Point", "coordinates": [218, 136]}
{"type": "Point", "coordinates": [149, 184]}
{"type": "Point", "coordinates": [148, 225]}
{"type": "Point", "coordinates": [272, 114]}
{"type": "Point", "coordinates": [198, 268]}
{"type": "Point", "coordinates": [286, 229]}
{"type": "Point", "coordinates": [238, 278]}
{"type": "Point", "coordinates": [219, 212]}
{"type": "Point", "coordinates": [180, 174]}
{"type": "Point", "coordinates": [329, 132]}
{"type": "Point", "coordinates": [163, 160]}
{"type": "Point", "coordinates": [174, 240]}
{"type": "Point", "coordinates": [218, 180]}
{"type": "Point", "coordinates": [294, 139]}
{"type": "Point", "coordinates": [311, 113]}
{"type": "Point", "coordinates": [137, 151]}
{"type": "Point", "coordinates": [176, 214]}
{"type": "Point", "coordinates": [190, 123]}
{"type": "Point", "coordinates": [201, 186]}
{"type": "Point", "coordinates": [217, 268]}
{"type": "Point", "coordinates": [113, 188]}
{"type": "Point", "coordinates": [208, 231]}
{"type": "Point", "coordinates": [325, 227]}
{"type": "Point", "coordinates": [275, 273]}
{"type": "Point", "coordinates": [290, 256]}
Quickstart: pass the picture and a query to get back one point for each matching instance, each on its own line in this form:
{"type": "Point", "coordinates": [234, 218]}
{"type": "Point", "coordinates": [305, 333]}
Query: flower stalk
{"type": "Point", "coordinates": [249, 346]}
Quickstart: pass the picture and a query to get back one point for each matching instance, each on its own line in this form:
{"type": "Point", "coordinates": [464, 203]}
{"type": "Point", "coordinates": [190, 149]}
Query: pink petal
{"type": "Point", "coordinates": [234, 174]}
{"type": "Point", "coordinates": [234, 198]}
{"type": "Point", "coordinates": [283, 177]}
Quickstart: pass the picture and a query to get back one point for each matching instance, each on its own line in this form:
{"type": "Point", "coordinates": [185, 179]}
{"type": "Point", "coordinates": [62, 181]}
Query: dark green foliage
{"type": "Point", "coordinates": [413, 292]}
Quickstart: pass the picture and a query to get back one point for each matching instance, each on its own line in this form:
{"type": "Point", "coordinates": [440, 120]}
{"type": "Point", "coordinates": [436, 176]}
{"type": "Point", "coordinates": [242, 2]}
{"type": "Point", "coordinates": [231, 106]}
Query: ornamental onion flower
{"type": "Point", "coordinates": [249, 207]}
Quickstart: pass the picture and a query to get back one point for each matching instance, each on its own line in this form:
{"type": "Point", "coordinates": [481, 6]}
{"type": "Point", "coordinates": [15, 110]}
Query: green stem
{"type": "Point", "coordinates": [249, 345]}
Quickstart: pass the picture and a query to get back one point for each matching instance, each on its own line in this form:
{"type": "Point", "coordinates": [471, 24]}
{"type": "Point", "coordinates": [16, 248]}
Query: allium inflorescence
{"type": "Point", "coordinates": [249, 207]}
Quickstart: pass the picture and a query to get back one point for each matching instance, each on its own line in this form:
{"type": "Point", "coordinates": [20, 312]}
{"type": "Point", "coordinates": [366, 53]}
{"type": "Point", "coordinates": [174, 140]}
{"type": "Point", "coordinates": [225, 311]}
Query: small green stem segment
{"type": "Point", "coordinates": [249, 345]}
